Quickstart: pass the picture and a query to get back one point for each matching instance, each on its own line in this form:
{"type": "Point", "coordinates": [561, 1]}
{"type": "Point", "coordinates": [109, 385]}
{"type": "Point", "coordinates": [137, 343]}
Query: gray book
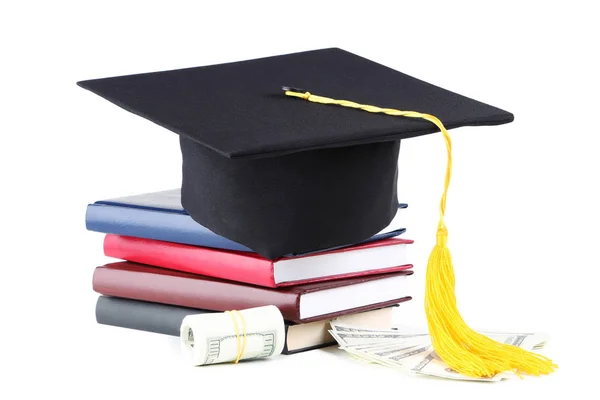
{"type": "Point", "coordinates": [166, 319]}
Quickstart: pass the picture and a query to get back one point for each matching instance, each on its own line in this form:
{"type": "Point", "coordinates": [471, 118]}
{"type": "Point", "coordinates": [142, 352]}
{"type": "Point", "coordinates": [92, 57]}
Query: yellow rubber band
{"type": "Point", "coordinates": [241, 344]}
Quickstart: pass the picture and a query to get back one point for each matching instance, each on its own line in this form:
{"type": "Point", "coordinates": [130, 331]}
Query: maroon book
{"type": "Point", "coordinates": [300, 304]}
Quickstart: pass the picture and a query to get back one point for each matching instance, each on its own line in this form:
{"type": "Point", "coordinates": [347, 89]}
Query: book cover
{"type": "Point", "coordinates": [384, 256]}
{"type": "Point", "coordinates": [160, 216]}
{"type": "Point", "coordinates": [299, 304]}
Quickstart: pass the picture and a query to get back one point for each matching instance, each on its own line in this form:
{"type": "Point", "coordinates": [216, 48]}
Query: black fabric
{"type": "Point", "coordinates": [239, 110]}
{"type": "Point", "coordinates": [295, 203]}
{"type": "Point", "coordinates": [281, 175]}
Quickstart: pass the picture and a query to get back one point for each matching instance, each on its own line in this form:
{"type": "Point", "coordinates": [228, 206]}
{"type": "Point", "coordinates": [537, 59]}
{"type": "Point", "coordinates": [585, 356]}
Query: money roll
{"type": "Point", "coordinates": [234, 335]}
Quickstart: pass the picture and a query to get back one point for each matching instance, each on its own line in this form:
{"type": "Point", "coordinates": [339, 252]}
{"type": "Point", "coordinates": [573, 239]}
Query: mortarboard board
{"type": "Point", "coordinates": [281, 175]}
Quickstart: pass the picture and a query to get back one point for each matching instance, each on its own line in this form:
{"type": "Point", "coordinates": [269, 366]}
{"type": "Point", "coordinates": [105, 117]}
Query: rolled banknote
{"type": "Point", "coordinates": [232, 336]}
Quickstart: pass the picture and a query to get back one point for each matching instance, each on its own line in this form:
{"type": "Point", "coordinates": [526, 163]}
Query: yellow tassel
{"type": "Point", "coordinates": [464, 350]}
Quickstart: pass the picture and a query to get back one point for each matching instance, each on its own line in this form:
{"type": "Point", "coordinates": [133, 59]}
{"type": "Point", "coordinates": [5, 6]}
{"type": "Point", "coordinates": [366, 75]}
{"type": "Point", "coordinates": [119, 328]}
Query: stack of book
{"type": "Point", "coordinates": [169, 266]}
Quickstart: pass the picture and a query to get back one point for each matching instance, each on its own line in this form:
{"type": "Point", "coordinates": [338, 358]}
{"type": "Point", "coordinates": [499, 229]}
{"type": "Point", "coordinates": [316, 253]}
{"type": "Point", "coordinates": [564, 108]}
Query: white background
{"type": "Point", "coordinates": [522, 208]}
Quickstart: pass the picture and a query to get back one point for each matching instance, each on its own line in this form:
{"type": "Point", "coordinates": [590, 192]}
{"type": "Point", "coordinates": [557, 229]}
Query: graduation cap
{"type": "Point", "coordinates": [265, 166]}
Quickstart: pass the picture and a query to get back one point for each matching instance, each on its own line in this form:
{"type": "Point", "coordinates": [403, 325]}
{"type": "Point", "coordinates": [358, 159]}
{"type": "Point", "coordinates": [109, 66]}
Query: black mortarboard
{"type": "Point", "coordinates": [278, 174]}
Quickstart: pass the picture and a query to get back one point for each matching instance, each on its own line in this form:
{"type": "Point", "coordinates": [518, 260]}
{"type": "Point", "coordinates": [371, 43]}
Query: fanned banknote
{"type": "Point", "coordinates": [413, 352]}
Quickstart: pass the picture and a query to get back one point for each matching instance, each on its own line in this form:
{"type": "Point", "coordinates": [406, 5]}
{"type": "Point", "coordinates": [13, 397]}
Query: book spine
{"type": "Point", "coordinates": [193, 293]}
{"type": "Point", "coordinates": [238, 267]}
{"type": "Point", "coordinates": [157, 225]}
{"type": "Point", "coordinates": [142, 316]}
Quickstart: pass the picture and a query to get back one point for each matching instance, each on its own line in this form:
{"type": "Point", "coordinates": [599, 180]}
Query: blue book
{"type": "Point", "coordinates": [160, 216]}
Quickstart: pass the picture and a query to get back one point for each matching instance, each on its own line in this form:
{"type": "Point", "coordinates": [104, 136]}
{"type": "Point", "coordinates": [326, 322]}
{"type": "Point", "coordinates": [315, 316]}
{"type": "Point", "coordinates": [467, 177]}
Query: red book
{"type": "Point", "coordinates": [300, 304]}
{"type": "Point", "coordinates": [383, 256]}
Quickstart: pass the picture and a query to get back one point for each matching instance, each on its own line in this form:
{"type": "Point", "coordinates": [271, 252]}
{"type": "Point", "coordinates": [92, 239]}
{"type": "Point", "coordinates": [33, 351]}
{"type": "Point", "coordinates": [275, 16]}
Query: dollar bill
{"type": "Point", "coordinates": [351, 335]}
{"type": "Point", "coordinates": [220, 337]}
{"type": "Point", "coordinates": [413, 352]}
{"type": "Point", "coordinates": [357, 339]}
{"type": "Point", "coordinates": [387, 346]}
{"type": "Point", "coordinates": [432, 365]}
{"type": "Point", "coordinates": [343, 328]}
{"type": "Point", "coordinates": [401, 358]}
